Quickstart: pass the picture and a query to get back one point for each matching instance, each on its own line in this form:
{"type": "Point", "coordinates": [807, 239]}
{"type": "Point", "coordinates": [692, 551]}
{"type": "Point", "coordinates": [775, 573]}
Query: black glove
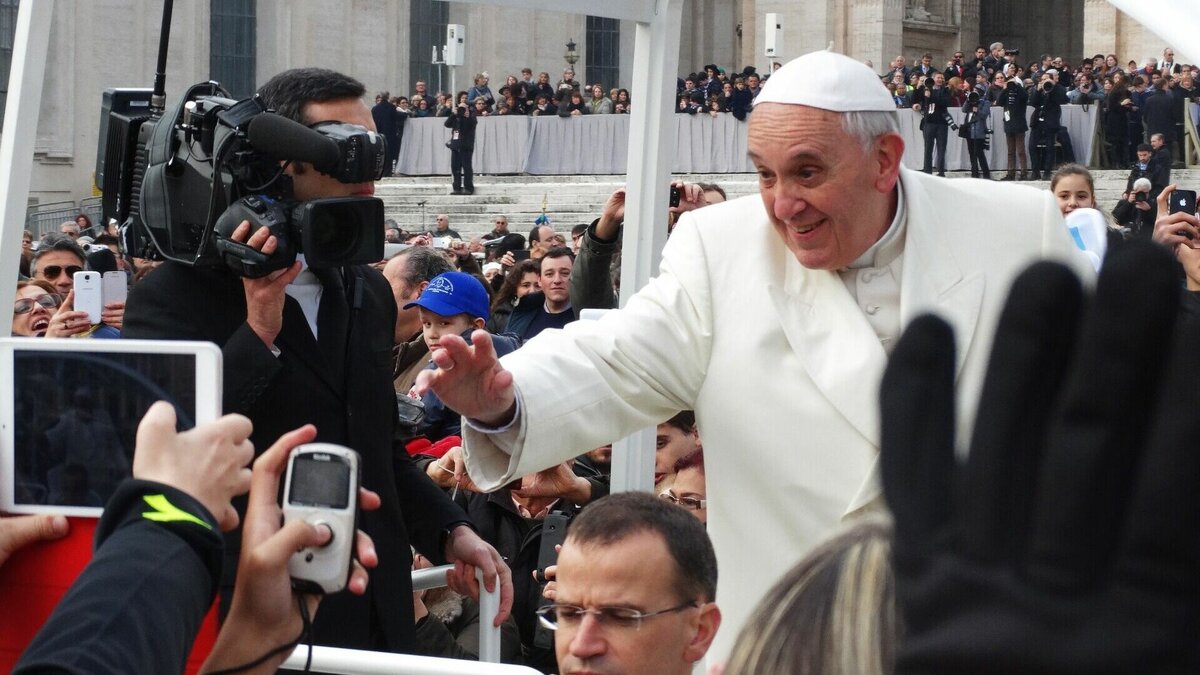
{"type": "Point", "coordinates": [1067, 543]}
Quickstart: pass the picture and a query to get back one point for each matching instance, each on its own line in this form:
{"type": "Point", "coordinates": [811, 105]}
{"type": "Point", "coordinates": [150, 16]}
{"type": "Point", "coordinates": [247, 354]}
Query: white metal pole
{"type": "Point", "coordinates": [651, 139]}
{"type": "Point", "coordinates": [30, 45]}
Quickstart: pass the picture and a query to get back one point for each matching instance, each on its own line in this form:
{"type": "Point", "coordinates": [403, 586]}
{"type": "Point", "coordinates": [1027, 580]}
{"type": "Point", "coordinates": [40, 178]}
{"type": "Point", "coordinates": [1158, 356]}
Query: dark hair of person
{"type": "Point", "coordinates": [423, 264]}
{"type": "Point", "coordinates": [1073, 170]}
{"type": "Point", "coordinates": [692, 460]}
{"type": "Point", "coordinates": [61, 243]}
{"type": "Point", "coordinates": [705, 187]}
{"type": "Point", "coordinates": [288, 92]}
{"type": "Point", "coordinates": [557, 252]}
{"type": "Point", "coordinates": [684, 420]}
{"type": "Point", "coordinates": [533, 235]}
{"type": "Point", "coordinates": [508, 290]}
{"type": "Point", "coordinates": [1145, 147]}
{"type": "Point", "coordinates": [87, 222]}
{"type": "Point", "coordinates": [579, 229]}
{"type": "Point", "coordinates": [841, 598]}
{"type": "Point", "coordinates": [625, 514]}
{"type": "Point", "coordinates": [105, 240]}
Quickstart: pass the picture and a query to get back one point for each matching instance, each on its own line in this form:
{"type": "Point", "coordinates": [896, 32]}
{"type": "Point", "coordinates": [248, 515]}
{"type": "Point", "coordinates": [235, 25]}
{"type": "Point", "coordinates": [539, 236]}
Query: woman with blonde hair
{"type": "Point", "coordinates": [834, 613]}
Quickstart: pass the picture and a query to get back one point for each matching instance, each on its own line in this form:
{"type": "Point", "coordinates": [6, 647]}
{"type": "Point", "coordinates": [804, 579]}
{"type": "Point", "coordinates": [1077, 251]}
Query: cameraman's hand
{"type": "Point", "coordinates": [1173, 229]}
{"type": "Point", "coordinates": [691, 197]}
{"type": "Point", "coordinates": [265, 296]}
{"type": "Point", "coordinates": [209, 462]}
{"type": "Point", "coordinates": [507, 259]}
{"type": "Point", "coordinates": [264, 613]}
{"type": "Point", "coordinates": [66, 321]}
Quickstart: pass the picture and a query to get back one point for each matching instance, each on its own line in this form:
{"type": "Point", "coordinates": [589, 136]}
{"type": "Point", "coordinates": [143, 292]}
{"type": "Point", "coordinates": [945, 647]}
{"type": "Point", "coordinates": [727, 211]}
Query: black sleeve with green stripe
{"type": "Point", "coordinates": [138, 604]}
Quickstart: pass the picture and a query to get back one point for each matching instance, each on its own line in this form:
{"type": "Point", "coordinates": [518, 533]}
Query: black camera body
{"type": "Point", "coordinates": [1012, 52]}
{"type": "Point", "coordinates": [1048, 86]}
{"type": "Point", "coordinates": [210, 160]}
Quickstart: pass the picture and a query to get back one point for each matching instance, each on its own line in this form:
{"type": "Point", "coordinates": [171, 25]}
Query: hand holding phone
{"type": "Point", "coordinates": [89, 295]}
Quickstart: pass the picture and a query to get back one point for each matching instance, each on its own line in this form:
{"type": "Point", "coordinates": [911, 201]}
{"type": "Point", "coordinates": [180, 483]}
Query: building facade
{"type": "Point", "coordinates": [389, 44]}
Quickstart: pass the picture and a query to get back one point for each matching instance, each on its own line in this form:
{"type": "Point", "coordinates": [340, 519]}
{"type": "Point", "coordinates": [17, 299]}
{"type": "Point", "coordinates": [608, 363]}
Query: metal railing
{"type": "Point", "coordinates": [47, 217]}
{"type": "Point", "coordinates": [359, 662]}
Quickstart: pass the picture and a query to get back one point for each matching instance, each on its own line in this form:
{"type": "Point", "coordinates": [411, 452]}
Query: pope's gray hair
{"type": "Point", "coordinates": [868, 126]}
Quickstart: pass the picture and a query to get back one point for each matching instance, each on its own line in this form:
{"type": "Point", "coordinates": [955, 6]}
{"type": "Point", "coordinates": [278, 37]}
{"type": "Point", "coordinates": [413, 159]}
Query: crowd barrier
{"type": "Point", "coordinates": [598, 144]}
{"type": "Point", "coordinates": [361, 662]}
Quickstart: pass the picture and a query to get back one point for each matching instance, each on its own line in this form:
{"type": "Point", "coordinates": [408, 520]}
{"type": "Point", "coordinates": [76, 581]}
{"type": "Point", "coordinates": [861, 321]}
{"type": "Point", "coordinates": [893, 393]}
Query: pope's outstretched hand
{"type": "Point", "coordinates": [470, 379]}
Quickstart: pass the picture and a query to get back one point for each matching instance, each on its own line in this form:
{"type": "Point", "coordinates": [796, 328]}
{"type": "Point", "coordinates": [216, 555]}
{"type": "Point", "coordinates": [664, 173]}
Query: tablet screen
{"type": "Point", "coordinates": [76, 415]}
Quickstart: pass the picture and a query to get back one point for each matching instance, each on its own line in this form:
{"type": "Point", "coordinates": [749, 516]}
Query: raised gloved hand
{"type": "Point", "coordinates": [1068, 541]}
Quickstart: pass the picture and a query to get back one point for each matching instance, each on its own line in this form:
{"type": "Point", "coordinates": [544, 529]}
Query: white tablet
{"type": "Point", "coordinates": [69, 411]}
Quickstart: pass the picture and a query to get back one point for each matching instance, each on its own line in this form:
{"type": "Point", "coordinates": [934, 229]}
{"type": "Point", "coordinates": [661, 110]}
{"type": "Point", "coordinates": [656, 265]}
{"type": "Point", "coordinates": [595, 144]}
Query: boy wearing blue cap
{"type": "Point", "coordinates": [454, 303]}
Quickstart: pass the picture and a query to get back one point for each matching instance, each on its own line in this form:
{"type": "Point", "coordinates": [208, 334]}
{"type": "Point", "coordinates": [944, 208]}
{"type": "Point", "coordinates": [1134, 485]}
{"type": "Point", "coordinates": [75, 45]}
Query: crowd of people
{"type": "Point", "coordinates": [1135, 102]}
{"type": "Point", "coordinates": [485, 412]}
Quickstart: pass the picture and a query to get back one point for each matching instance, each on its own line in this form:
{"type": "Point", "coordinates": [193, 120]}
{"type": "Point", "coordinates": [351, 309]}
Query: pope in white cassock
{"type": "Point", "coordinates": [772, 317]}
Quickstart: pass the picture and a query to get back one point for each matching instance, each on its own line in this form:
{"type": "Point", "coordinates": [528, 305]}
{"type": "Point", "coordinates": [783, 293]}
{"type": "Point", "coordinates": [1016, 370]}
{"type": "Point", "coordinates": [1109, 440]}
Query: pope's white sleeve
{"type": "Point", "coordinates": [595, 382]}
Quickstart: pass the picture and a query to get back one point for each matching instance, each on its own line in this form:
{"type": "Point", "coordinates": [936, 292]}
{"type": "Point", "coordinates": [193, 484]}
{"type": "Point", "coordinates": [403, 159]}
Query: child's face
{"type": "Point", "coordinates": [434, 327]}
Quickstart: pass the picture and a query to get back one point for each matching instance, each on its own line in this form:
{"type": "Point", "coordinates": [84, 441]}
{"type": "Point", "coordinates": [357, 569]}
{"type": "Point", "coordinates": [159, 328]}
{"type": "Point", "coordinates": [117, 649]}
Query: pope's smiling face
{"type": "Point", "coordinates": [827, 198]}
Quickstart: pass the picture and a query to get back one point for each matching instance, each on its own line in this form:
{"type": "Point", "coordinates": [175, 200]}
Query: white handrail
{"type": "Point", "coordinates": [359, 662]}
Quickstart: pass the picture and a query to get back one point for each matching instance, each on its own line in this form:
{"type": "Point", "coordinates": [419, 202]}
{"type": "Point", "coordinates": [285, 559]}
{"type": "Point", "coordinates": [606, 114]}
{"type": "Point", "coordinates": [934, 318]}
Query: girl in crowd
{"type": "Point", "coordinates": [521, 280]}
{"type": "Point", "coordinates": [1073, 187]}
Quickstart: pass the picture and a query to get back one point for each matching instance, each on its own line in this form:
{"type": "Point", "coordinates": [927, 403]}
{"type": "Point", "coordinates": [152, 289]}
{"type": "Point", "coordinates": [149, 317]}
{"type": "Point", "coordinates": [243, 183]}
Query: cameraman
{"type": "Point", "coordinates": [976, 112]}
{"type": "Point", "coordinates": [1135, 209]}
{"type": "Point", "coordinates": [313, 345]}
{"type": "Point", "coordinates": [933, 102]}
{"type": "Point", "coordinates": [462, 148]}
{"type": "Point", "coordinates": [1047, 100]}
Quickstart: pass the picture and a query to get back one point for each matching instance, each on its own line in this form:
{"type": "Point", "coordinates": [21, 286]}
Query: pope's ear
{"type": "Point", "coordinates": [886, 155]}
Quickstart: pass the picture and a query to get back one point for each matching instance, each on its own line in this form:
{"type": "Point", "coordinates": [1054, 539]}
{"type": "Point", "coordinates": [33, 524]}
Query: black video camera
{"type": "Point", "coordinates": [973, 98]}
{"type": "Point", "coordinates": [1048, 86]}
{"type": "Point", "coordinates": [179, 181]}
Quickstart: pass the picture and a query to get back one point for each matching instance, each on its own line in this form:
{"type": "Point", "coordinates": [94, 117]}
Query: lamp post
{"type": "Point", "coordinates": [571, 56]}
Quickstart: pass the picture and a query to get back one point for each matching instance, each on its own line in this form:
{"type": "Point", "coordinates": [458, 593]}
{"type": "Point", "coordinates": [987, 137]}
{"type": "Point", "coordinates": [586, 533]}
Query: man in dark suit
{"type": "Point", "coordinates": [313, 345]}
{"type": "Point", "coordinates": [388, 122]}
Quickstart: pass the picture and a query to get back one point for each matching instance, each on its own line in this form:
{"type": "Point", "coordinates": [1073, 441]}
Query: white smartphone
{"type": "Point", "coordinates": [115, 286]}
{"type": "Point", "coordinates": [322, 489]}
{"type": "Point", "coordinates": [69, 411]}
{"type": "Point", "coordinates": [89, 295]}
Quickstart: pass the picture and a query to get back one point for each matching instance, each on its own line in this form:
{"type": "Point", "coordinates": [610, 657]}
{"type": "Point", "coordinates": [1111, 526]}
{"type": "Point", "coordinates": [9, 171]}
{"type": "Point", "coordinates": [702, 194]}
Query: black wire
{"type": "Point", "coordinates": [305, 632]}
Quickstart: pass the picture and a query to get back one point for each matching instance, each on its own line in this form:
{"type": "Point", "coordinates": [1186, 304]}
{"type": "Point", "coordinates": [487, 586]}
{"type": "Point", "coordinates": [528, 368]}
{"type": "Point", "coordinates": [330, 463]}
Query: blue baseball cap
{"type": "Point", "coordinates": [452, 293]}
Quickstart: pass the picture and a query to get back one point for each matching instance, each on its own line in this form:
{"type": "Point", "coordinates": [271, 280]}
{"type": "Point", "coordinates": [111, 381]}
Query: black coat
{"type": "Point", "coordinates": [1048, 106]}
{"type": "Point", "coordinates": [935, 105]}
{"type": "Point", "coordinates": [1159, 114]}
{"type": "Point", "coordinates": [1015, 101]}
{"type": "Point", "coordinates": [462, 124]}
{"type": "Point", "coordinates": [350, 399]}
{"type": "Point", "coordinates": [388, 121]}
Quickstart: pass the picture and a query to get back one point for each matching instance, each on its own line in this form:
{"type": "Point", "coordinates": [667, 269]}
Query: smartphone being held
{"type": "Point", "coordinates": [89, 295]}
{"type": "Point", "coordinates": [115, 287]}
{"type": "Point", "coordinates": [1182, 200]}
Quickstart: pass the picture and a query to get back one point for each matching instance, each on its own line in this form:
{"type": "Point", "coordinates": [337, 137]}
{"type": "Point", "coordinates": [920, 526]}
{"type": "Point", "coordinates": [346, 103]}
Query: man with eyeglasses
{"type": "Point", "coordinates": [56, 261]}
{"type": "Point", "coordinates": [69, 228]}
{"type": "Point", "coordinates": [634, 590]}
{"type": "Point", "coordinates": [688, 489]}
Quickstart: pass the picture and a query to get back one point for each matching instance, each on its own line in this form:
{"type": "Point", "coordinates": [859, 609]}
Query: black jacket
{"type": "Point", "coordinates": [1159, 114]}
{"type": "Point", "coordinates": [935, 105]}
{"type": "Point", "coordinates": [1048, 106]}
{"type": "Point", "coordinates": [342, 385]}
{"type": "Point", "coordinates": [462, 129]}
{"type": "Point", "coordinates": [1015, 101]}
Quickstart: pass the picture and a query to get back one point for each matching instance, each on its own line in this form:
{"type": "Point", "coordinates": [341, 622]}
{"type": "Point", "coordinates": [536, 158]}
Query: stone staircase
{"type": "Point", "coordinates": [414, 202]}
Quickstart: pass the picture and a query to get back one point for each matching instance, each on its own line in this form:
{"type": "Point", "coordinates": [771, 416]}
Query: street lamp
{"type": "Point", "coordinates": [571, 56]}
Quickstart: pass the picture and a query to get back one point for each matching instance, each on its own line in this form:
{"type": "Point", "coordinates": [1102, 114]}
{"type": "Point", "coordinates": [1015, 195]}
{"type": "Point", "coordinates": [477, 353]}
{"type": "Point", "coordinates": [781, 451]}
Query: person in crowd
{"type": "Point", "coordinates": [1183, 92]}
{"type": "Point", "coordinates": [932, 101]}
{"type": "Point", "coordinates": [462, 126]}
{"type": "Point", "coordinates": [390, 124]}
{"type": "Point", "coordinates": [566, 86]}
{"type": "Point", "coordinates": [977, 113]}
{"type": "Point", "coordinates": [742, 100]}
{"type": "Point", "coordinates": [544, 88]}
{"type": "Point", "coordinates": [1015, 101]}
{"type": "Point", "coordinates": [493, 274]}
{"type": "Point", "coordinates": [833, 613]}
{"type": "Point", "coordinates": [291, 356]}
{"type": "Point", "coordinates": [445, 105]}
{"type": "Point", "coordinates": [408, 273]}
{"type": "Point", "coordinates": [975, 66]}
{"type": "Point", "coordinates": [35, 303]}
{"type": "Point", "coordinates": [452, 303]}
{"type": "Point", "coordinates": [422, 109]}
{"type": "Point", "coordinates": [577, 233]}
{"type": "Point", "coordinates": [572, 105]}
{"type": "Point", "coordinates": [1117, 106]}
{"type": "Point", "coordinates": [1135, 211]}
{"type": "Point", "coordinates": [1112, 66]}
{"type": "Point", "coordinates": [955, 67]}
{"type": "Point", "coordinates": [69, 228]}
{"type": "Point", "coordinates": [550, 306]}
{"type": "Point", "coordinates": [599, 104]}
{"type": "Point", "coordinates": [55, 262]}
{"type": "Point", "coordinates": [1047, 100]}
{"type": "Point", "coordinates": [753, 84]}
{"type": "Point", "coordinates": [1085, 91]}
{"type": "Point", "coordinates": [392, 233]}
{"type": "Point", "coordinates": [1166, 64]}
{"type": "Point", "coordinates": [1137, 129]}
{"type": "Point", "coordinates": [660, 353]}
{"type": "Point", "coordinates": [421, 92]}
{"type": "Point", "coordinates": [621, 102]}
{"type": "Point", "coordinates": [1158, 113]}
{"type": "Point", "coordinates": [674, 439]}
{"type": "Point", "coordinates": [543, 238]}
{"type": "Point", "coordinates": [899, 65]}
{"type": "Point", "coordinates": [687, 490]}
{"type": "Point", "coordinates": [521, 280]}
{"type": "Point", "coordinates": [26, 253]}
{"type": "Point", "coordinates": [480, 90]}
{"type": "Point", "coordinates": [1158, 169]}
{"type": "Point", "coordinates": [544, 106]}
{"type": "Point", "coordinates": [448, 624]}
{"type": "Point", "coordinates": [1074, 188]}
{"type": "Point", "coordinates": [634, 589]}
{"type": "Point", "coordinates": [442, 227]}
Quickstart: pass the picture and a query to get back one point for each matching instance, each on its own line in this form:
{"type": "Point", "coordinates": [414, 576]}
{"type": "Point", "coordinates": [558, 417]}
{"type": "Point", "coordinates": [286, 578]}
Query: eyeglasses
{"type": "Point", "coordinates": [52, 271]}
{"type": "Point", "coordinates": [689, 503]}
{"type": "Point", "coordinates": [71, 234]}
{"type": "Point", "coordinates": [501, 222]}
{"type": "Point", "coordinates": [617, 618]}
{"type": "Point", "coordinates": [25, 305]}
